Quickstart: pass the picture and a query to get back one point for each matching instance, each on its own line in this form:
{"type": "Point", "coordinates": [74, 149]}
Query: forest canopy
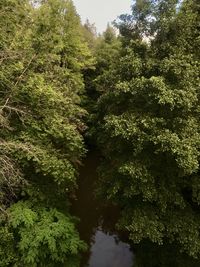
{"type": "Point", "coordinates": [134, 95]}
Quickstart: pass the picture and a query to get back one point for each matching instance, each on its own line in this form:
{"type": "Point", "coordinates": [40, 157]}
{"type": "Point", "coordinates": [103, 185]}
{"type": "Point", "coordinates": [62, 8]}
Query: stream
{"type": "Point", "coordinates": [107, 247]}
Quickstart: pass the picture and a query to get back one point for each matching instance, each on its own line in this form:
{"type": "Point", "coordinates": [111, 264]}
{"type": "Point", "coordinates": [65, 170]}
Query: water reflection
{"type": "Point", "coordinates": [107, 247]}
{"type": "Point", "coordinates": [108, 251]}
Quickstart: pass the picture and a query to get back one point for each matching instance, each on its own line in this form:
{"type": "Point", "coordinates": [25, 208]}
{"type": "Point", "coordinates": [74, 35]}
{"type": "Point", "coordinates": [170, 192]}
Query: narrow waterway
{"type": "Point", "coordinates": [107, 247]}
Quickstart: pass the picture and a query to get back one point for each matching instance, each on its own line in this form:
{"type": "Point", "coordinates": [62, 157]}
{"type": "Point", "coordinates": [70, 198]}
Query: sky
{"type": "Point", "coordinates": [101, 12]}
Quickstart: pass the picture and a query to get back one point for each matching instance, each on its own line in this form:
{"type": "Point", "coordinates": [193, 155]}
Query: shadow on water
{"type": "Point", "coordinates": [107, 246]}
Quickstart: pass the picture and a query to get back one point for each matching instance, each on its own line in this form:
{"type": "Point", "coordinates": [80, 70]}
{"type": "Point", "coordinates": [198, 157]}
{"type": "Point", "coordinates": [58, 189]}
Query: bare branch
{"type": "Point", "coordinates": [4, 211]}
{"type": "Point", "coordinates": [24, 71]}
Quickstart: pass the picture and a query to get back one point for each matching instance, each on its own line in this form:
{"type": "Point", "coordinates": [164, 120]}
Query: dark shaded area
{"type": "Point", "coordinates": [107, 246]}
{"type": "Point", "coordinates": [166, 255]}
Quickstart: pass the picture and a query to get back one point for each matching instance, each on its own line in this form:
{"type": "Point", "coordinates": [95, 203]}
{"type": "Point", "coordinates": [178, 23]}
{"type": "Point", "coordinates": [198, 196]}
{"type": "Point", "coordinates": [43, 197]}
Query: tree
{"type": "Point", "coordinates": [90, 34]}
{"type": "Point", "coordinates": [103, 75]}
{"type": "Point", "coordinates": [43, 56]}
{"type": "Point", "coordinates": [148, 127]}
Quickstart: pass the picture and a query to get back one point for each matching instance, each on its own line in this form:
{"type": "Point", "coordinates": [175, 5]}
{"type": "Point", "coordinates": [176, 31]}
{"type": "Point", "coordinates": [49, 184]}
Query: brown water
{"type": "Point", "coordinates": [107, 246]}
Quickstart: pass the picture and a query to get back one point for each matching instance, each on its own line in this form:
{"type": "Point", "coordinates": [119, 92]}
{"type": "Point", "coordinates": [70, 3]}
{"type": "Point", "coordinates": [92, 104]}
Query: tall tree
{"type": "Point", "coordinates": [43, 54]}
{"type": "Point", "coordinates": [90, 34]}
{"type": "Point", "coordinates": [149, 126]}
{"type": "Point", "coordinates": [103, 75]}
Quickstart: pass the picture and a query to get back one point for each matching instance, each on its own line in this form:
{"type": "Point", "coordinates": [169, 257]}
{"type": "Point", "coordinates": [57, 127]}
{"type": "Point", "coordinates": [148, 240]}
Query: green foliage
{"type": "Point", "coordinates": [162, 256]}
{"type": "Point", "coordinates": [7, 247]}
{"type": "Point", "coordinates": [43, 55]}
{"type": "Point", "coordinates": [90, 35]}
{"type": "Point", "coordinates": [148, 126]}
{"type": "Point", "coordinates": [143, 95]}
{"type": "Point", "coordinates": [103, 76]}
{"type": "Point", "coordinates": [40, 108]}
{"type": "Point", "coordinates": [42, 237]}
